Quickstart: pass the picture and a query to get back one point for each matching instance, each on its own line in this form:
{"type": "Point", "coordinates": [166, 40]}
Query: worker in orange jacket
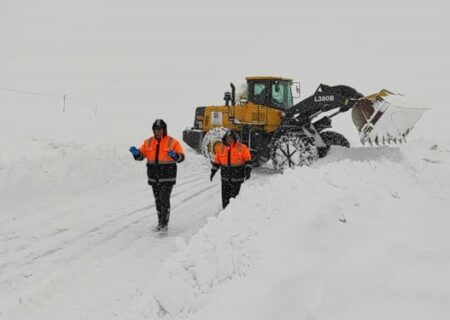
{"type": "Point", "coordinates": [162, 153]}
{"type": "Point", "coordinates": [234, 160]}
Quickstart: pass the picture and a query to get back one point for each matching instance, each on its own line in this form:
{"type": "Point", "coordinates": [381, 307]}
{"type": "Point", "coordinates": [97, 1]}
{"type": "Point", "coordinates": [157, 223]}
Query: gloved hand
{"type": "Point", "coordinates": [213, 172]}
{"type": "Point", "coordinates": [134, 151]}
{"type": "Point", "coordinates": [247, 174]}
{"type": "Point", "coordinates": [172, 154]}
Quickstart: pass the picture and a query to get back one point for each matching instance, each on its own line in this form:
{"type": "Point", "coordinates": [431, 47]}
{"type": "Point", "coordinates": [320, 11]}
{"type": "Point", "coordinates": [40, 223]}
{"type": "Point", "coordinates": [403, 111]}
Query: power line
{"type": "Point", "coordinates": [31, 93]}
{"type": "Point", "coordinates": [64, 97]}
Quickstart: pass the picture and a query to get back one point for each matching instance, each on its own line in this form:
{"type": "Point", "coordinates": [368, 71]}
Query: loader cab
{"type": "Point", "coordinates": [270, 91]}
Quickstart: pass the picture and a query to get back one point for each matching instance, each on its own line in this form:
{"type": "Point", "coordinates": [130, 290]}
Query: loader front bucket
{"type": "Point", "coordinates": [384, 118]}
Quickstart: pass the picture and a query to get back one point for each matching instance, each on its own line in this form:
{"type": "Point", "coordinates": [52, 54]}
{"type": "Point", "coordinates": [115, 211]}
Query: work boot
{"type": "Point", "coordinates": [165, 222]}
{"type": "Point", "coordinates": [160, 223]}
{"type": "Point", "coordinates": [164, 230]}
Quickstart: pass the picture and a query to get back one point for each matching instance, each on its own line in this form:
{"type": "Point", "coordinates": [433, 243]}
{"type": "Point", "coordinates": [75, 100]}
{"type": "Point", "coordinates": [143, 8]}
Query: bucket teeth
{"type": "Point", "coordinates": [385, 118]}
{"type": "Point", "coordinates": [387, 139]}
{"type": "Point", "coordinates": [391, 139]}
{"type": "Point", "coordinates": [377, 142]}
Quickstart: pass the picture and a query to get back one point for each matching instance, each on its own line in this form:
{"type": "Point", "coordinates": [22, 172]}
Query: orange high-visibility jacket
{"type": "Point", "coordinates": [160, 166]}
{"type": "Point", "coordinates": [233, 160]}
{"type": "Point", "coordinates": [152, 145]}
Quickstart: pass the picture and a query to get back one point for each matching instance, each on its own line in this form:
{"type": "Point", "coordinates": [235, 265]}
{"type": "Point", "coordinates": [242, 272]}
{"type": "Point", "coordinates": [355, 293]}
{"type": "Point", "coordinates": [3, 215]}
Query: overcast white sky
{"type": "Point", "coordinates": [166, 57]}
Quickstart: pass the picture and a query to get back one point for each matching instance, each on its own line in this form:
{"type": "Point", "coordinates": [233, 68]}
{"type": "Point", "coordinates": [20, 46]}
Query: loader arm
{"type": "Point", "coordinates": [325, 98]}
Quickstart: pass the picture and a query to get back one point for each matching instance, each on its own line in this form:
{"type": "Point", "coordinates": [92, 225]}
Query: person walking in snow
{"type": "Point", "coordinates": [234, 161]}
{"type": "Point", "coordinates": [162, 153]}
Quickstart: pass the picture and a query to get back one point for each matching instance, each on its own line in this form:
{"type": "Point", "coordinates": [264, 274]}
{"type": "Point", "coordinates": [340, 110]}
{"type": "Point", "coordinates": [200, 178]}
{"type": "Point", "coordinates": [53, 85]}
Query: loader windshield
{"type": "Point", "coordinates": [281, 95]}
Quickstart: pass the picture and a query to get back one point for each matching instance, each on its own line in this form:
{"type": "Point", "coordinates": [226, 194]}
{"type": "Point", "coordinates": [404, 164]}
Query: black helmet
{"type": "Point", "coordinates": [160, 124]}
{"type": "Point", "coordinates": [230, 133]}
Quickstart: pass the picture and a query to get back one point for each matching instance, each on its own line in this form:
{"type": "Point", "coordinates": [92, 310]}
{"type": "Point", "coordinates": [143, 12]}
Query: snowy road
{"type": "Point", "coordinates": [88, 252]}
{"type": "Point", "coordinates": [53, 254]}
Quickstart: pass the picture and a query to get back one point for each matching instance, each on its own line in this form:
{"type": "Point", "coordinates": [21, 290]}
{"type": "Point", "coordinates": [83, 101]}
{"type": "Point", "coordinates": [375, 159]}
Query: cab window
{"type": "Point", "coordinates": [281, 95]}
{"type": "Point", "coordinates": [259, 93]}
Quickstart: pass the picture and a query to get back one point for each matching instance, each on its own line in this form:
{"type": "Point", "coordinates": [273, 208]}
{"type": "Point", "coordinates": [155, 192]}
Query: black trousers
{"type": "Point", "coordinates": [162, 192]}
{"type": "Point", "coordinates": [229, 190]}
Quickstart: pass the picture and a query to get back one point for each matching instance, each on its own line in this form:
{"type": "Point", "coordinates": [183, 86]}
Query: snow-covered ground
{"type": "Point", "coordinates": [361, 234]}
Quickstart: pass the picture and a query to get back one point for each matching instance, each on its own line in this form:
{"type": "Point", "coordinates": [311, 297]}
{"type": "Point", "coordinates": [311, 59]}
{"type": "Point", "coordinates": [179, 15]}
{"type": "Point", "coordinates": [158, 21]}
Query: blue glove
{"type": "Point", "coordinates": [134, 151]}
{"type": "Point", "coordinates": [172, 154]}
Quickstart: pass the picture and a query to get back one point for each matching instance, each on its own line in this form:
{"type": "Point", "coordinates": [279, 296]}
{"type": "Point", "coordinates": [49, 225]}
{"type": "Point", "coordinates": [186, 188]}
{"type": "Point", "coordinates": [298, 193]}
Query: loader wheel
{"type": "Point", "coordinates": [292, 150]}
{"type": "Point", "coordinates": [211, 141]}
{"type": "Point", "coordinates": [332, 138]}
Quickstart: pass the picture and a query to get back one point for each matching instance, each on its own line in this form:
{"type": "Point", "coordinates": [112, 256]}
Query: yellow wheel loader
{"type": "Point", "coordinates": [273, 128]}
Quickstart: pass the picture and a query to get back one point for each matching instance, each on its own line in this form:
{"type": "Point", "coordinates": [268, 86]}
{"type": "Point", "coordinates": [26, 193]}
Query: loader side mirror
{"type": "Point", "coordinates": [296, 90]}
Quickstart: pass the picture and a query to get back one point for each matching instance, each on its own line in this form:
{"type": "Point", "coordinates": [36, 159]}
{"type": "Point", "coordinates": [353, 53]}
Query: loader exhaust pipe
{"type": "Point", "coordinates": [227, 98]}
{"type": "Point", "coordinates": [233, 94]}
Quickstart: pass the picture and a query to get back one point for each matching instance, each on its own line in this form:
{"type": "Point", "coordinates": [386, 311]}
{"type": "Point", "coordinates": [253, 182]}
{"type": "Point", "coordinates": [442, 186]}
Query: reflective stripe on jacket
{"type": "Point", "coordinates": [160, 166]}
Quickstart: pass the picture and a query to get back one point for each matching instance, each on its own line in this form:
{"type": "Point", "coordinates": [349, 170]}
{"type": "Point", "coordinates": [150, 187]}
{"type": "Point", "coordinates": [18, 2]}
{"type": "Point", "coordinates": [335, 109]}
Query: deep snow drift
{"type": "Point", "coordinates": [361, 234]}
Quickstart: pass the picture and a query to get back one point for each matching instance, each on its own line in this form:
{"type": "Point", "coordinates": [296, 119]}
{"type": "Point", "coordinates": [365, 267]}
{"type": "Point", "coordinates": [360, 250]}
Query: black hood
{"type": "Point", "coordinates": [230, 133]}
{"type": "Point", "coordinates": [160, 124]}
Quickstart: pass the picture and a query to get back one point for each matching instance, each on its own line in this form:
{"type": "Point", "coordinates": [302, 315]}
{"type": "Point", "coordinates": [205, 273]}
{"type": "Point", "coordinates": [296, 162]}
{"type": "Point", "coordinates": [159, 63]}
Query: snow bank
{"type": "Point", "coordinates": [64, 168]}
{"type": "Point", "coordinates": [217, 253]}
{"type": "Point", "coordinates": [360, 234]}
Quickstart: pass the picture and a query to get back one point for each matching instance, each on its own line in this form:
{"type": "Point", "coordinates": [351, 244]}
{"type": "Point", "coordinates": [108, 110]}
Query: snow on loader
{"type": "Point", "coordinates": [295, 135]}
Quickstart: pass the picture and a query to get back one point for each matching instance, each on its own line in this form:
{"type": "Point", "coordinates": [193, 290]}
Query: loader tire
{"type": "Point", "coordinates": [211, 140]}
{"type": "Point", "coordinates": [331, 138]}
{"type": "Point", "coordinates": [291, 150]}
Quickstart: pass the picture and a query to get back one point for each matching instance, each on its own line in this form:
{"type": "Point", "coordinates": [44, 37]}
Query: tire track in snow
{"type": "Point", "coordinates": [34, 257]}
{"type": "Point", "coordinates": [9, 236]}
{"type": "Point", "coordinates": [191, 197]}
{"type": "Point", "coordinates": [54, 233]}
